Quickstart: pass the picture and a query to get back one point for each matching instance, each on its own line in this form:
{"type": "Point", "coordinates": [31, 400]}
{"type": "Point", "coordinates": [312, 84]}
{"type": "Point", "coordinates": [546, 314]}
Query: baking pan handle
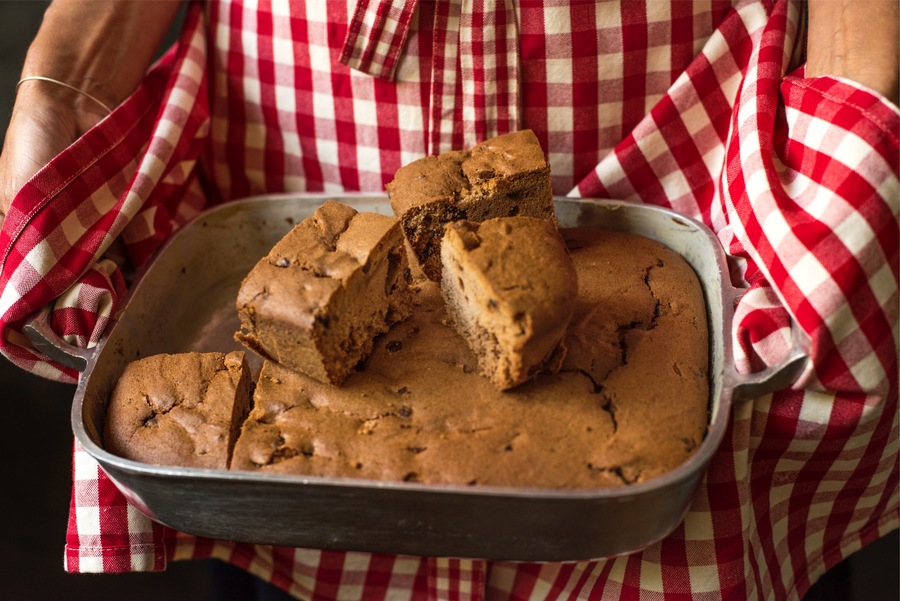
{"type": "Point", "coordinates": [775, 377]}
{"type": "Point", "coordinates": [45, 340]}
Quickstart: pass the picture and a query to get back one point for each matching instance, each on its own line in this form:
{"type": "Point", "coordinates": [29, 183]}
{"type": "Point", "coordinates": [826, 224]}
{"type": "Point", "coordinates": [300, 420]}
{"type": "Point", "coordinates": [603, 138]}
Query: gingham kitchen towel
{"type": "Point", "coordinates": [702, 107]}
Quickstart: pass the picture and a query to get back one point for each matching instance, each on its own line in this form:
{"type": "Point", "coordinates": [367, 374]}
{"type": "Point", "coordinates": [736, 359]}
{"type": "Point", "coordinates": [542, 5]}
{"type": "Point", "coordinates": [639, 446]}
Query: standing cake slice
{"type": "Point", "coordinates": [184, 409]}
{"type": "Point", "coordinates": [510, 288]}
{"type": "Point", "coordinates": [501, 177]}
{"type": "Point", "coordinates": [316, 302]}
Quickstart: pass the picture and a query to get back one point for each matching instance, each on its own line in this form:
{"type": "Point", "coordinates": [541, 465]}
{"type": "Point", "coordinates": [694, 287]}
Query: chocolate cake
{"type": "Point", "coordinates": [629, 402]}
{"type": "Point", "coordinates": [325, 291]}
{"type": "Point", "coordinates": [505, 176]}
{"type": "Point", "coordinates": [509, 285]}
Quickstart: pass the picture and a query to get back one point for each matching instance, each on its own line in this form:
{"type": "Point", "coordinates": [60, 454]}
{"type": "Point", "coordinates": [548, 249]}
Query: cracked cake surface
{"type": "Point", "coordinates": [501, 177]}
{"type": "Point", "coordinates": [509, 285]}
{"type": "Point", "coordinates": [325, 291]}
{"type": "Point", "coordinates": [630, 401]}
{"type": "Point", "coordinates": [182, 409]}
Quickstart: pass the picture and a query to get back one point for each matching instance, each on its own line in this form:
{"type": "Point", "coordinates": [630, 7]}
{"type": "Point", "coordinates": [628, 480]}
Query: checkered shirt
{"type": "Point", "coordinates": [702, 107]}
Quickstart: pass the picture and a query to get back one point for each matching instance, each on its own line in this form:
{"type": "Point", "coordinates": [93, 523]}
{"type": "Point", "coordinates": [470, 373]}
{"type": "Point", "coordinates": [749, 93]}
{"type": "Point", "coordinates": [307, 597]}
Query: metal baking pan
{"type": "Point", "coordinates": [184, 301]}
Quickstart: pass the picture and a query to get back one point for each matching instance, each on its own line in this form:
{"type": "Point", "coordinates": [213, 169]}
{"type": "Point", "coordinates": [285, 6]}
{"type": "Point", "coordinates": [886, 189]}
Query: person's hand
{"type": "Point", "coordinates": [857, 40]}
{"type": "Point", "coordinates": [44, 122]}
{"type": "Point", "coordinates": [101, 48]}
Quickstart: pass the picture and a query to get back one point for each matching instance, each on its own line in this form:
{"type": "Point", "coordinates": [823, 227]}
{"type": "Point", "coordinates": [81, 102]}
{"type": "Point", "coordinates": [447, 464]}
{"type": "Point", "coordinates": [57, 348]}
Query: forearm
{"type": "Point", "coordinates": [103, 47]}
{"type": "Point", "coordinates": [856, 39]}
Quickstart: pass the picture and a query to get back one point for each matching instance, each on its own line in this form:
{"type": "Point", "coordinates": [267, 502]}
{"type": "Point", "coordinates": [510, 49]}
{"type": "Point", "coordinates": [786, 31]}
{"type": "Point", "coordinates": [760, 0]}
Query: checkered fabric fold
{"type": "Point", "coordinates": [376, 36]}
{"type": "Point", "coordinates": [701, 107]}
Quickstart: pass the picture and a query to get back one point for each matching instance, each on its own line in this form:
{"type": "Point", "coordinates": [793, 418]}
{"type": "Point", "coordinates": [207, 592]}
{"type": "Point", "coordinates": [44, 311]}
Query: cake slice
{"type": "Point", "coordinates": [505, 176]}
{"type": "Point", "coordinates": [323, 293]}
{"type": "Point", "coordinates": [510, 288]}
{"type": "Point", "coordinates": [184, 409]}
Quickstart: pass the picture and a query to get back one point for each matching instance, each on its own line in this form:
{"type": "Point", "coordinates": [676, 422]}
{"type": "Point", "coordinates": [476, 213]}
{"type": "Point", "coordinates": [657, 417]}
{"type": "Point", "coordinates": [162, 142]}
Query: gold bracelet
{"type": "Point", "coordinates": [65, 85]}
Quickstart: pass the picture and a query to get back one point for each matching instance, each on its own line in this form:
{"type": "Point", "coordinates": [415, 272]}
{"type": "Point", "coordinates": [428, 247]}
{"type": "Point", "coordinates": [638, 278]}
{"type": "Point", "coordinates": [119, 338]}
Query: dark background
{"type": "Point", "coordinates": [37, 443]}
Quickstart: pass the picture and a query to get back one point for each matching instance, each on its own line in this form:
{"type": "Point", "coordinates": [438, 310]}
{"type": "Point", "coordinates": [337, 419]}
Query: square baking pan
{"type": "Point", "coordinates": [184, 300]}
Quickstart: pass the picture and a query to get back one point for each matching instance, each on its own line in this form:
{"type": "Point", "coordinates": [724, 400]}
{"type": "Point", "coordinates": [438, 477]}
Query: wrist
{"type": "Point", "coordinates": [49, 111]}
{"type": "Point", "coordinates": [65, 107]}
{"type": "Point", "coordinates": [65, 95]}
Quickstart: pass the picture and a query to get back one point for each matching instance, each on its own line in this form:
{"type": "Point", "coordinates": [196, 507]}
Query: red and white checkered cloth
{"type": "Point", "coordinates": [702, 107]}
